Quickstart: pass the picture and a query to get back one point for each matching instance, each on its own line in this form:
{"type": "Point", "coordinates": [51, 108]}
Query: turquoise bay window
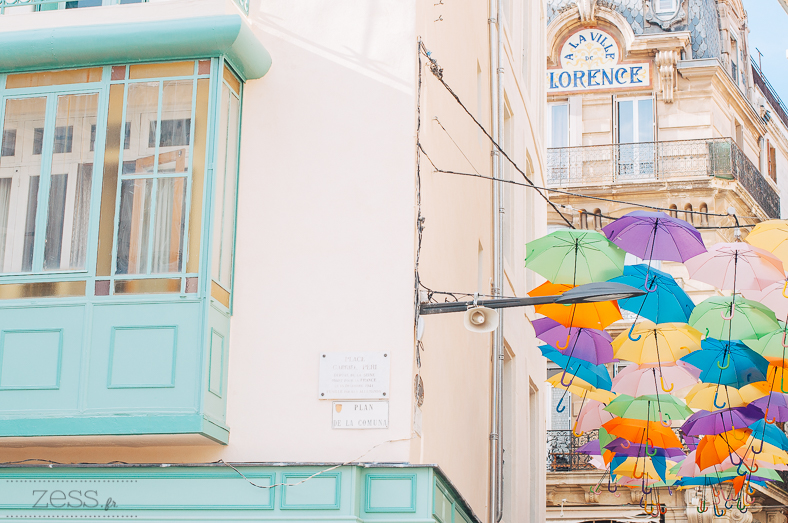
{"type": "Point", "coordinates": [117, 216]}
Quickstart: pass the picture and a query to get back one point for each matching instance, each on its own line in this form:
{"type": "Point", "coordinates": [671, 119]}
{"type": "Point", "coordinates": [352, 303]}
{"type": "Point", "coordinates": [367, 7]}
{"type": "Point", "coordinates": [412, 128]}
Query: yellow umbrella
{"type": "Point", "coordinates": [772, 236]}
{"type": "Point", "coordinates": [579, 387]}
{"type": "Point", "coordinates": [647, 342]}
{"type": "Point", "coordinates": [635, 466]}
{"type": "Point", "coordinates": [756, 390]}
{"type": "Point", "coordinates": [710, 396]}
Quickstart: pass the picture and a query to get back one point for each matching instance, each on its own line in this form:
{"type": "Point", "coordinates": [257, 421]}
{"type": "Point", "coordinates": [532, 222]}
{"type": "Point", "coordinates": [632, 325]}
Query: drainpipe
{"type": "Point", "coordinates": [496, 92]}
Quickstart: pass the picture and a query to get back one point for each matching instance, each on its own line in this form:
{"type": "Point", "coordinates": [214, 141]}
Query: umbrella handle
{"type": "Point", "coordinates": [629, 334]}
{"type": "Point", "coordinates": [662, 382]}
{"type": "Point", "coordinates": [642, 501]}
{"type": "Point", "coordinates": [741, 505]}
{"type": "Point", "coordinates": [558, 345]}
{"type": "Point", "coordinates": [653, 448]}
{"type": "Point", "coordinates": [750, 489]}
{"type": "Point", "coordinates": [785, 287]}
{"type": "Point", "coordinates": [650, 289]}
{"type": "Point", "coordinates": [720, 513]}
{"type": "Point", "coordinates": [613, 490]}
{"type": "Point", "coordinates": [574, 431]}
{"type": "Point", "coordinates": [733, 429]}
{"type": "Point", "coordinates": [661, 421]}
{"type": "Point", "coordinates": [635, 472]}
{"type": "Point", "coordinates": [703, 507]}
{"type": "Point", "coordinates": [560, 407]}
{"type": "Point", "coordinates": [566, 384]}
{"type": "Point", "coordinates": [646, 490]}
{"type": "Point", "coordinates": [728, 504]}
{"type": "Point", "coordinates": [628, 444]}
{"type": "Point", "coordinates": [715, 397]}
{"type": "Point", "coordinates": [782, 378]}
{"type": "Point", "coordinates": [662, 509]}
{"type": "Point", "coordinates": [727, 318]}
{"type": "Point", "coordinates": [766, 417]}
{"type": "Point", "coordinates": [733, 462]}
{"type": "Point", "coordinates": [670, 492]}
{"type": "Point", "coordinates": [707, 333]}
{"type": "Point", "coordinates": [785, 345]}
{"type": "Point", "coordinates": [759, 450]}
{"type": "Point", "coordinates": [728, 364]}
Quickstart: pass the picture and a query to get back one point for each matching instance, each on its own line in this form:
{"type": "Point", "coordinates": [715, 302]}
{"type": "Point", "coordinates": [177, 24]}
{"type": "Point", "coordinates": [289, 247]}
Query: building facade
{"type": "Point", "coordinates": [211, 212]}
{"type": "Point", "coordinates": [655, 103]}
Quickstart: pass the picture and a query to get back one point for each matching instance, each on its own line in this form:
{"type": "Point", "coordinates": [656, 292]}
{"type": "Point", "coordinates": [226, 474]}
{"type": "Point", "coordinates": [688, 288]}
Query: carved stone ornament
{"type": "Point", "coordinates": [586, 9]}
{"type": "Point", "coordinates": [666, 65]}
{"type": "Point", "coordinates": [635, 495]}
{"type": "Point", "coordinates": [665, 21]}
{"type": "Point", "coordinates": [591, 496]}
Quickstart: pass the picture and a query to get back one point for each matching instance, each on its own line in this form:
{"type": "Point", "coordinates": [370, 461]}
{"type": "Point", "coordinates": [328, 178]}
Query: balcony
{"type": "Point", "coordinates": [595, 165]}
{"type": "Point", "coordinates": [562, 454]}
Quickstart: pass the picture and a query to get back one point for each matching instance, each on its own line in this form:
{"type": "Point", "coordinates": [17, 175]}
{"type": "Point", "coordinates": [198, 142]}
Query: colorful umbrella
{"type": "Point", "coordinates": [736, 266]}
{"type": "Point", "coordinates": [774, 406]}
{"type": "Point", "coordinates": [753, 391]}
{"type": "Point", "coordinates": [713, 450]}
{"type": "Point", "coordinates": [664, 301]}
{"type": "Point", "coordinates": [708, 396]}
{"type": "Point", "coordinates": [655, 236]}
{"type": "Point", "coordinates": [772, 236]}
{"type": "Point", "coordinates": [748, 320]}
{"type": "Point", "coordinates": [592, 416]}
{"type": "Point", "coordinates": [775, 296]}
{"type": "Point", "coordinates": [627, 448]}
{"type": "Point", "coordinates": [727, 363]}
{"type": "Point", "coordinates": [595, 375]}
{"type": "Point", "coordinates": [772, 346]}
{"type": "Point", "coordinates": [653, 468]}
{"type": "Point", "coordinates": [775, 377]}
{"type": "Point", "coordinates": [769, 433]}
{"type": "Point", "coordinates": [650, 407]}
{"type": "Point", "coordinates": [641, 431]}
{"type": "Point", "coordinates": [637, 380]}
{"type": "Point", "coordinates": [578, 387]}
{"type": "Point", "coordinates": [665, 342]}
{"type": "Point", "coordinates": [596, 315]}
{"type": "Point", "coordinates": [590, 345]}
{"type": "Point", "coordinates": [575, 257]}
{"type": "Point", "coordinates": [704, 422]}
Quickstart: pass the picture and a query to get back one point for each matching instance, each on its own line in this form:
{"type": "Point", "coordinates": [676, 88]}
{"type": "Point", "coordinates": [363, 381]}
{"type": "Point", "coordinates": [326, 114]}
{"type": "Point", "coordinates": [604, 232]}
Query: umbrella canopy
{"type": "Point", "coordinates": [595, 375]}
{"type": "Point", "coordinates": [769, 433]}
{"type": "Point", "coordinates": [590, 345]}
{"type": "Point", "coordinates": [777, 405]}
{"type": "Point", "coordinates": [641, 431]}
{"type": "Point", "coordinates": [713, 450]}
{"type": "Point", "coordinates": [749, 320]}
{"type": "Point", "coordinates": [709, 396]}
{"type": "Point", "coordinates": [581, 388]}
{"type": "Point", "coordinates": [754, 391]}
{"type": "Point", "coordinates": [653, 468]}
{"type": "Point", "coordinates": [655, 236]}
{"type": "Point", "coordinates": [777, 379]}
{"type": "Point", "coordinates": [772, 296]}
{"type": "Point", "coordinates": [665, 342]}
{"type": "Point", "coordinates": [736, 265]}
{"type": "Point", "coordinates": [727, 363]}
{"type": "Point", "coordinates": [771, 236]}
{"type": "Point", "coordinates": [651, 407]}
{"type": "Point", "coordinates": [597, 315]}
{"type": "Point", "coordinates": [592, 416]}
{"type": "Point", "coordinates": [665, 301]}
{"type": "Point", "coordinates": [626, 448]}
{"type": "Point", "coordinates": [704, 422]}
{"type": "Point", "coordinates": [637, 380]}
{"type": "Point", "coordinates": [771, 346]}
{"type": "Point", "coordinates": [574, 257]}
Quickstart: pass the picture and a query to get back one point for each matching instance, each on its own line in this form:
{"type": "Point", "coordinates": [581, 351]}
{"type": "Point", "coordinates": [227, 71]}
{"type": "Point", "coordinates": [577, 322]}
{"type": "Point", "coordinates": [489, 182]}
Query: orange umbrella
{"type": "Point", "coordinates": [713, 450]}
{"type": "Point", "coordinates": [638, 431]}
{"type": "Point", "coordinates": [583, 315]}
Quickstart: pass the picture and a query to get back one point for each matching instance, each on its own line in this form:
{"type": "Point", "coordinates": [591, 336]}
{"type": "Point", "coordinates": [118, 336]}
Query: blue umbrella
{"type": "Point", "coordinates": [596, 375]}
{"type": "Point", "coordinates": [729, 363]}
{"type": "Point", "coordinates": [769, 433]}
{"type": "Point", "coordinates": [665, 301]}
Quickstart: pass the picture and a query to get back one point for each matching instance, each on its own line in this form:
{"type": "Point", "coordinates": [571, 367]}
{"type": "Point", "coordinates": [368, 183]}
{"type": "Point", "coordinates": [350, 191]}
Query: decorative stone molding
{"type": "Point", "coordinates": [591, 496]}
{"type": "Point", "coordinates": [635, 495]}
{"type": "Point", "coordinates": [666, 64]}
{"type": "Point", "coordinates": [586, 10]}
{"type": "Point", "coordinates": [665, 23]}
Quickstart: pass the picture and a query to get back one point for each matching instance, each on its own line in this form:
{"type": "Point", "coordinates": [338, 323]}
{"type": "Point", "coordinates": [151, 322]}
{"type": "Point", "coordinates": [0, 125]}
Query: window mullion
{"type": "Point", "coordinates": [155, 181]}
{"type": "Point", "coordinates": [121, 159]}
{"type": "Point", "coordinates": [44, 182]}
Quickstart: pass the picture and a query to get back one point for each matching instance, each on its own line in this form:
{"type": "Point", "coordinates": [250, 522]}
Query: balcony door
{"type": "Point", "coordinates": [558, 135]}
{"type": "Point", "coordinates": [636, 138]}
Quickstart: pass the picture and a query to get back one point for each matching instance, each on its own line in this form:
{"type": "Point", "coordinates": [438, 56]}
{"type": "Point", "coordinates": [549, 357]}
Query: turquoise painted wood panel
{"type": "Point", "coordinates": [166, 338]}
{"type": "Point", "coordinates": [303, 492]}
{"type": "Point", "coordinates": [40, 350]}
{"type": "Point", "coordinates": [216, 366]}
{"type": "Point", "coordinates": [390, 493]}
{"type": "Point", "coordinates": [442, 509]}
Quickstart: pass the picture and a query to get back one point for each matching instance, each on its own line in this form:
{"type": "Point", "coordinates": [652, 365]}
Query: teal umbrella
{"type": "Point", "coordinates": [575, 257]}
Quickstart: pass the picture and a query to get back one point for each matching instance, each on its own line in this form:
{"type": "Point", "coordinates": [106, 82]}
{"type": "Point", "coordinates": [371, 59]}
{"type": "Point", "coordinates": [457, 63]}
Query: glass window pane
{"type": "Point", "coordinates": [141, 110]}
{"type": "Point", "coordinates": [221, 164]}
{"type": "Point", "coordinates": [645, 121]}
{"type": "Point", "coordinates": [560, 126]}
{"type": "Point", "coordinates": [71, 182]}
{"type": "Point", "coordinates": [19, 194]}
{"type": "Point", "coordinates": [626, 123]}
{"type": "Point", "coordinates": [169, 224]}
{"type": "Point", "coordinates": [134, 226]}
{"type": "Point", "coordinates": [175, 134]}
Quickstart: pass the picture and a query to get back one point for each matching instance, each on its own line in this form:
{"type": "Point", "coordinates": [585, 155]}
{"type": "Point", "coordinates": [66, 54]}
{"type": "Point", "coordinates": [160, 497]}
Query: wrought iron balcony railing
{"type": "Point", "coordinates": [595, 165]}
{"type": "Point", "coordinates": [562, 455]}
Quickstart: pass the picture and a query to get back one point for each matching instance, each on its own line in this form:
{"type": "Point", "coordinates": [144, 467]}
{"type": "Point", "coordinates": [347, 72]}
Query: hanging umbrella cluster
{"type": "Point", "coordinates": [698, 404]}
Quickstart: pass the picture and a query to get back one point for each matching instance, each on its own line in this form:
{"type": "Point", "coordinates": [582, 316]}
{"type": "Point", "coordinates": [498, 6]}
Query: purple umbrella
{"type": "Point", "coordinates": [591, 448]}
{"type": "Point", "coordinates": [636, 449]}
{"type": "Point", "coordinates": [655, 236]}
{"type": "Point", "coordinates": [588, 345]}
{"type": "Point", "coordinates": [704, 422]}
{"type": "Point", "coordinates": [777, 405]}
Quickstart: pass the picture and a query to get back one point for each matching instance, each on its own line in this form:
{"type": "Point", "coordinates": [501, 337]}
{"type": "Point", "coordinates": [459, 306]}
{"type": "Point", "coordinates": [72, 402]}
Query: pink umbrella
{"type": "Point", "coordinates": [775, 296]}
{"type": "Point", "coordinates": [645, 379]}
{"type": "Point", "coordinates": [592, 416]}
{"type": "Point", "coordinates": [736, 266]}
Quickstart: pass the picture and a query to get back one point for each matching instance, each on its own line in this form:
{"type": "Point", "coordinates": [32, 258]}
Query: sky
{"type": "Point", "coordinates": [769, 33]}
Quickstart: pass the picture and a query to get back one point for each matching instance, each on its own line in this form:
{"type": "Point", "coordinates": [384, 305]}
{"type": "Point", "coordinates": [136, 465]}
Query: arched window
{"type": "Point", "coordinates": [597, 219]}
{"type": "Point", "coordinates": [704, 218]}
{"type": "Point", "coordinates": [673, 210]}
{"type": "Point", "coordinates": [583, 219]}
{"type": "Point", "coordinates": [688, 216]}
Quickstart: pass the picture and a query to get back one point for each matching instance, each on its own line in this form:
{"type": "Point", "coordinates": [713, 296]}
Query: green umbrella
{"type": "Point", "coordinates": [771, 346]}
{"type": "Point", "coordinates": [748, 320]}
{"type": "Point", "coordinates": [649, 407]}
{"type": "Point", "coordinates": [575, 257]}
